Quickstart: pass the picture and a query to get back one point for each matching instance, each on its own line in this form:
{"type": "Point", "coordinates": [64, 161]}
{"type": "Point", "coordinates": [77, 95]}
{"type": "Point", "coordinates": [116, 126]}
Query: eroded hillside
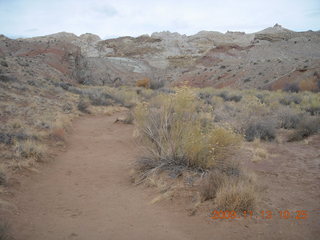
{"type": "Point", "coordinates": [275, 58]}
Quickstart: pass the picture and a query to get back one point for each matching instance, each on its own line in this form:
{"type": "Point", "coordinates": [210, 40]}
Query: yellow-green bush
{"type": "Point", "coordinates": [172, 130]}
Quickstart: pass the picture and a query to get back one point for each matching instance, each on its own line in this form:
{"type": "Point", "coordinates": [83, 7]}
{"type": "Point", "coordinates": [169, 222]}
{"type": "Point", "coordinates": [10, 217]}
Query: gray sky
{"type": "Point", "coordinates": [112, 18]}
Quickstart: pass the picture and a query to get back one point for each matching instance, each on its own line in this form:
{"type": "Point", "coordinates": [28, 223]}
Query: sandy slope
{"type": "Point", "coordinates": [86, 194]}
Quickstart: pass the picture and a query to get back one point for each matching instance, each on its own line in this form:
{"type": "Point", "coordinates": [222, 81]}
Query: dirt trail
{"type": "Point", "coordinates": [86, 193]}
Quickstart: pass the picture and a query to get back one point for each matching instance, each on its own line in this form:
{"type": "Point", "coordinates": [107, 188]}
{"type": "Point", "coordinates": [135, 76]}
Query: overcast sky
{"type": "Point", "coordinates": [112, 18]}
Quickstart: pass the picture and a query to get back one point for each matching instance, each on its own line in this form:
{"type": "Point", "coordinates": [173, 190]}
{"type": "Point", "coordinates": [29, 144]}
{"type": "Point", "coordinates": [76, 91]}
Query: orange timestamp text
{"type": "Point", "coordinates": [299, 214]}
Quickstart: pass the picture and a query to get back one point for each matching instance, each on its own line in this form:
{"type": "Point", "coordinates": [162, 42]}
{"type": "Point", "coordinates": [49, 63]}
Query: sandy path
{"type": "Point", "coordinates": [86, 193]}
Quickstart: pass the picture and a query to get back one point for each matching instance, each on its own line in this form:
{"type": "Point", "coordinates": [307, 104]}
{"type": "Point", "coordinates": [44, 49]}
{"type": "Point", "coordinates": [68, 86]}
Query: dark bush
{"type": "Point", "coordinates": [3, 179]}
{"type": "Point", "coordinates": [313, 110]}
{"type": "Point", "coordinates": [305, 129]}
{"type": "Point", "coordinates": [264, 130]}
{"type": "Point", "coordinates": [100, 99]}
{"type": "Point", "coordinates": [4, 229]}
{"type": "Point", "coordinates": [292, 87]}
{"type": "Point", "coordinates": [226, 97]}
{"type": "Point", "coordinates": [235, 98]}
{"type": "Point", "coordinates": [156, 84]}
{"type": "Point", "coordinates": [65, 86]}
{"type": "Point", "coordinates": [166, 90]}
{"type": "Point", "coordinates": [206, 97]}
{"type": "Point", "coordinates": [7, 78]}
{"type": "Point", "coordinates": [83, 106]}
{"type": "Point", "coordinates": [4, 63]}
{"type": "Point", "coordinates": [287, 100]}
{"type": "Point", "coordinates": [9, 137]}
{"type": "Point", "coordinates": [289, 119]}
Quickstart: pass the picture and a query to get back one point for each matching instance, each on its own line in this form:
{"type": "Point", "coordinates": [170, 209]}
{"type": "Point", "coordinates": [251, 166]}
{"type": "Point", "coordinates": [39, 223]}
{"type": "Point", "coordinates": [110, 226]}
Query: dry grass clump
{"type": "Point", "coordinates": [230, 187]}
{"type": "Point", "coordinates": [211, 184]}
{"type": "Point", "coordinates": [236, 196]}
{"type": "Point", "coordinates": [29, 149]}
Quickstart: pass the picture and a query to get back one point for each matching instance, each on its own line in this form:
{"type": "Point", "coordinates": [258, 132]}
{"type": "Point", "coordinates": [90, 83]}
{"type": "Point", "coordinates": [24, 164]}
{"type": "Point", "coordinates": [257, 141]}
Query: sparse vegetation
{"type": "Point", "coordinates": [306, 128]}
{"type": "Point", "coordinates": [29, 149]}
{"type": "Point", "coordinates": [205, 147]}
{"type": "Point", "coordinates": [261, 129]}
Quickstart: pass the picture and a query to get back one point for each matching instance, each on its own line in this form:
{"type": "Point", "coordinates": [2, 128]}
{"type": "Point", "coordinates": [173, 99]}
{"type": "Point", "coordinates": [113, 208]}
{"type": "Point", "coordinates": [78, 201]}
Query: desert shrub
{"type": "Point", "coordinates": [172, 131]}
{"type": "Point", "coordinates": [64, 86]}
{"type": "Point", "coordinates": [10, 135]}
{"type": "Point", "coordinates": [306, 128]}
{"type": "Point", "coordinates": [125, 98]}
{"type": "Point", "coordinates": [6, 138]}
{"type": "Point", "coordinates": [292, 87]}
{"type": "Point", "coordinates": [289, 99]}
{"type": "Point", "coordinates": [100, 99]}
{"type": "Point", "coordinates": [83, 106]}
{"type": "Point", "coordinates": [311, 103]}
{"type": "Point", "coordinates": [261, 129]}
{"type": "Point", "coordinates": [4, 63]}
{"type": "Point", "coordinates": [226, 97]}
{"type": "Point", "coordinates": [211, 184]}
{"type": "Point", "coordinates": [166, 90]}
{"type": "Point", "coordinates": [3, 176]}
{"type": "Point", "coordinates": [206, 97]}
{"type": "Point", "coordinates": [29, 149]}
{"type": "Point", "coordinates": [289, 119]}
{"type": "Point", "coordinates": [313, 110]}
{"type": "Point", "coordinates": [236, 196]}
{"type": "Point", "coordinates": [156, 84]}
